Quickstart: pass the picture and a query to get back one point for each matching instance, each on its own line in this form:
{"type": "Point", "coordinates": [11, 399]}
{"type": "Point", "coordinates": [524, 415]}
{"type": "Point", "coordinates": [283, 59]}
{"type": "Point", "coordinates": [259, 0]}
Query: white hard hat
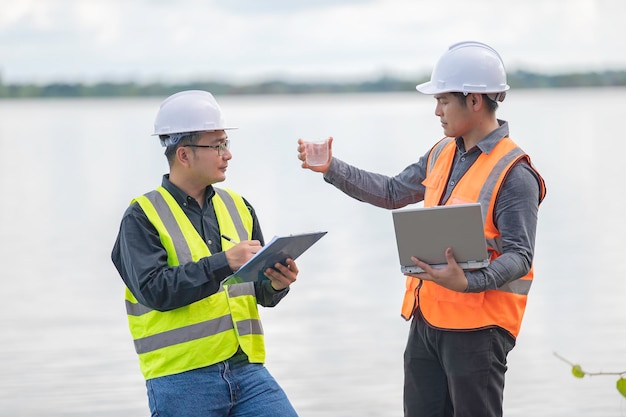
{"type": "Point", "coordinates": [468, 67]}
{"type": "Point", "coordinates": [189, 111]}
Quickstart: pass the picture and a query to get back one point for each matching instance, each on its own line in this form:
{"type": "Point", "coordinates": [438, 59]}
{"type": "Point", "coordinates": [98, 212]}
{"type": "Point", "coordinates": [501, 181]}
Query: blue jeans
{"type": "Point", "coordinates": [233, 388]}
{"type": "Point", "coordinates": [458, 374]}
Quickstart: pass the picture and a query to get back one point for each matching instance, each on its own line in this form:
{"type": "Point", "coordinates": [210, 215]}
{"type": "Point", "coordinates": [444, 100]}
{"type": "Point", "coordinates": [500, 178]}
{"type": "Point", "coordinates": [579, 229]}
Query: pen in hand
{"type": "Point", "coordinates": [231, 240]}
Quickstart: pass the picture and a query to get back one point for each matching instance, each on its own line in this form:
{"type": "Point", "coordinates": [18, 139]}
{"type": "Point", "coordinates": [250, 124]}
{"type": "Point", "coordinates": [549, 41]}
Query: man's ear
{"type": "Point", "coordinates": [476, 100]}
{"type": "Point", "coordinates": [182, 155]}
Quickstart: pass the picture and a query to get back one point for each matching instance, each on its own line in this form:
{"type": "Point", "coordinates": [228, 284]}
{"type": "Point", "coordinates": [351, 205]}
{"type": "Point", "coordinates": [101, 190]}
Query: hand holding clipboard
{"type": "Point", "coordinates": [276, 250]}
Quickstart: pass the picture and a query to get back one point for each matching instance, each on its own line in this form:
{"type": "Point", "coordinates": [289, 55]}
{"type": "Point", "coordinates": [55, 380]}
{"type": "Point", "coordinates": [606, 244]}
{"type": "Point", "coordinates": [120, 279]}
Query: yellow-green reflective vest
{"type": "Point", "coordinates": [209, 330]}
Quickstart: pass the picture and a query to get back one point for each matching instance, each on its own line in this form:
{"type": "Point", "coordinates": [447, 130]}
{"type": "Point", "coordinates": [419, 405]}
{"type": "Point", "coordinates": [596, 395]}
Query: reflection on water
{"type": "Point", "coordinates": [335, 343]}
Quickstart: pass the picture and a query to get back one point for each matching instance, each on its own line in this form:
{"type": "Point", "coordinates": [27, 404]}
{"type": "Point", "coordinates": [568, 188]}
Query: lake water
{"type": "Point", "coordinates": [68, 169]}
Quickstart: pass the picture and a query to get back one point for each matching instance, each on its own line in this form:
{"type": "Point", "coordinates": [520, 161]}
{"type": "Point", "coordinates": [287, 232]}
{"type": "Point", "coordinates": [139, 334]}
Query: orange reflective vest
{"type": "Point", "coordinates": [447, 309]}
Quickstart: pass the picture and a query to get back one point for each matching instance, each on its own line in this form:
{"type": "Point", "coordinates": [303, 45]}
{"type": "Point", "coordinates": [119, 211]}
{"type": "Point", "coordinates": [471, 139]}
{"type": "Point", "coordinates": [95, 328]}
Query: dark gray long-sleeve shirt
{"type": "Point", "coordinates": [515, 211]}
{"type": "Point", "coordinates": [141, 259]}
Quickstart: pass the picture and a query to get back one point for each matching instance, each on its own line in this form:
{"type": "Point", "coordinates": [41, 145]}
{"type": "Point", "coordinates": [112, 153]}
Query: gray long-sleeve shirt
{"type": "Point", "coordinates": [141, 259]}
{"type": "Point", "coordinates": [515, 211]}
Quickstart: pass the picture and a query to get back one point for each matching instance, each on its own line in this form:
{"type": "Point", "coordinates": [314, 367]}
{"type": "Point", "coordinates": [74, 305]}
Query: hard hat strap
{"type": "Point", "coordinates": [498, 96]}
{"type": "Point", "coordinates": [173, 139]}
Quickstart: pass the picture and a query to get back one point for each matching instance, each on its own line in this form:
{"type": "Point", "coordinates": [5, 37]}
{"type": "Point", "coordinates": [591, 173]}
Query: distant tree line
{"type": "Point", "coordinates": [518, 79]}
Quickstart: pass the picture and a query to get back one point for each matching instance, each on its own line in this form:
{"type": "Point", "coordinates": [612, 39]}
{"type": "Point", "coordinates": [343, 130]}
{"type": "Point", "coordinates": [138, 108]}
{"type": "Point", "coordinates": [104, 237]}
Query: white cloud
{"type": "Point", "coordinates": [100, 22]}
{"type": "Point", "coordinates": [282, 7]}
{"type": "Point", "coordinates": [45, 40]}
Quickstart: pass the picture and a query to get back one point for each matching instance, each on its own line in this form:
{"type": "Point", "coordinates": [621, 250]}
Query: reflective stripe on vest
{"type": "Point", "coordinates": [209, 330]}
{"type": "Point", "coordinates": [231, 207]}
{"type": "Point", "coordinates": [443, 308]}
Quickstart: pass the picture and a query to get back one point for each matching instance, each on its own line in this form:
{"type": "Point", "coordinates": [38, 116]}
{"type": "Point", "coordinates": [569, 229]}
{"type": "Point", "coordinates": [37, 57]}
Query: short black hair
{"type": "Point", "coordinates": [191, 138]}
{"type": "Point", "coordinates": [492, 105]}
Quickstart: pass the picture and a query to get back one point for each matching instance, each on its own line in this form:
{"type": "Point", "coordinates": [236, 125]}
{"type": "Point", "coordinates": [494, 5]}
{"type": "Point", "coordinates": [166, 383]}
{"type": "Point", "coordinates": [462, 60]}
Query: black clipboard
{"type": "Point", "coordinates": [276, 250]}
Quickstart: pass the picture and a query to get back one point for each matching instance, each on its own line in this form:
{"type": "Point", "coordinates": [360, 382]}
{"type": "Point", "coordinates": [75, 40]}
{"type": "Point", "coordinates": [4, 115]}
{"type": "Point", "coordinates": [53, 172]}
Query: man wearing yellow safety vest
{"type": "Point", "coordinates": [200, 343]}
{"type": "Point", "coordinates": [463, 323]}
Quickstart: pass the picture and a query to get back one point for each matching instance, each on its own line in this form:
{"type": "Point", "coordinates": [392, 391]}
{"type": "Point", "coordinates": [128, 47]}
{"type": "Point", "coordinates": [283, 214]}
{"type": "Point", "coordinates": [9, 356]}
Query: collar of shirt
{"type": "Point", "coordinates": [203, 219]}
{"type": "Point", "coordinates": [487, 143]}
{"type": "Point", "coordinates": [180, 196]}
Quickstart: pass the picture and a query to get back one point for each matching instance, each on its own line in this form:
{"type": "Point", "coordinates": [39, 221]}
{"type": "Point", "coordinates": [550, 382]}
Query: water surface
{"type": "Point", "coordinates": [68, 169]}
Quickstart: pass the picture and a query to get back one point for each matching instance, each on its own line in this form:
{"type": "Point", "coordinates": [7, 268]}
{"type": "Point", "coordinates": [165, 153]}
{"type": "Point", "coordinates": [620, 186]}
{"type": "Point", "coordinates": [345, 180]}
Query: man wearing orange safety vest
{"type": "Point", "coordinates": [464, 323]}
{"type": "Point", "coordinates": [199, 341]}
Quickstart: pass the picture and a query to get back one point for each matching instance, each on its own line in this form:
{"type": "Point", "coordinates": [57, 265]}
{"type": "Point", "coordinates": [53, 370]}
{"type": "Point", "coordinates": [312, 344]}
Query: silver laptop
{"type": "Point", "coordinates": [426, 232]}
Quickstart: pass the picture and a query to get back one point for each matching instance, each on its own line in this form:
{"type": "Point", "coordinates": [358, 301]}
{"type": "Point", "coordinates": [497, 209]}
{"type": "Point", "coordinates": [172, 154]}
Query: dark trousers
{"type": "Point", "coordinates": [454, 373]}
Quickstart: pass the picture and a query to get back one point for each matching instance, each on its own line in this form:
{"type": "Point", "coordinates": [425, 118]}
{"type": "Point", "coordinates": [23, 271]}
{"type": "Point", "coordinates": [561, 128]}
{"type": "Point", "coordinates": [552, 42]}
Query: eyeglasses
{"type": "Point", "coordinates": [220, 148]}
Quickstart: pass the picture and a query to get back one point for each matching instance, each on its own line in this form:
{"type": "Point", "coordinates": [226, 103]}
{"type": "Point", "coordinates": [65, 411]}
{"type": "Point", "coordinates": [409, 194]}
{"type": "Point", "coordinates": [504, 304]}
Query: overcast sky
{"type": "Point", "coordinates": [252, 40]}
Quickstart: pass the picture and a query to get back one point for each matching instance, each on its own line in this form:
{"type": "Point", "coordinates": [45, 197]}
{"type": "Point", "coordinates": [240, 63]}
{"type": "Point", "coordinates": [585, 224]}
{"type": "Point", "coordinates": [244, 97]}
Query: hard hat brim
{"type": "Point", "coordinates": [431, 88]}
{"type": "Point", "coordinates": [172, 132]}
